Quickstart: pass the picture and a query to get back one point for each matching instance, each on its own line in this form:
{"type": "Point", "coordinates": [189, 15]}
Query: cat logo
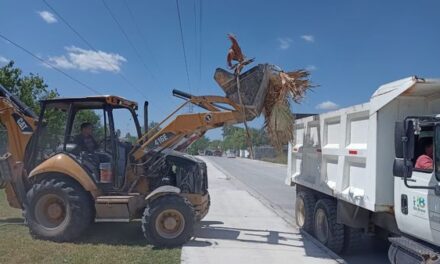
{"type": "Point", "coordinates": [208, 118]}
{"type": "Point", "coordinates": [22, 124]}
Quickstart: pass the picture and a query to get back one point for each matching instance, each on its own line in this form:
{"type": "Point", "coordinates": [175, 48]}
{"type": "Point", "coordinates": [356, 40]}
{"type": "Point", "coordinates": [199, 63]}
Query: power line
{"type": "Point", "coordinates": [196, 42]}
{"type": "Point", "coordinates": [183, 47]}
{"type": "Point", "coordinates": [127, 38]}
{"type": "Point", "coordinates": [200, 39]}
{"type": "Point", "coordinates": [136, 24]}
{"type": "Point", "coordinates": [49, 64]}
{"type": "Point", "coordinates": [92, 47]}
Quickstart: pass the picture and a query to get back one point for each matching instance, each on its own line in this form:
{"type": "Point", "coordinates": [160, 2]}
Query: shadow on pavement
{"type": "Point", "coordinates": [205, 230]}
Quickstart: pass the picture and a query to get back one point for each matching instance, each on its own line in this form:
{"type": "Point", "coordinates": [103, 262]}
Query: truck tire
{"type": "Point", "coordinates": [168, 221]}
{"type": "Point", "coordinates": [304, 208]}
{"type": "Point", "coordinates": [326, 230]}
{"type": "Point", "coordinates": [58, 209]}
{"type": "Point", "coordinates": [352, 239]}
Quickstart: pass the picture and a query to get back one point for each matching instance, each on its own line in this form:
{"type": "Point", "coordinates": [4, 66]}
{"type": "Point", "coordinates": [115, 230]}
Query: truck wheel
{"type": "Point", "coordinates": [58, 210]}
{"type": "Point", "coordinates": [168, 221]}
{"type": "Point", "coordinates": [326, 230]}
{"type": "Point", "coordinates": [304, 206]}
{"type": "Point", "coordinates": [352, 239]}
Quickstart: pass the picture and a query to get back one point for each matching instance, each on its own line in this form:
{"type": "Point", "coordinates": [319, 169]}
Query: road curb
{"type": "Point", "coordinates": [283, 215]}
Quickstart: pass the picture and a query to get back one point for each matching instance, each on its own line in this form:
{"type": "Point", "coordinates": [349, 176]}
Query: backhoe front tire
{"type": "Point", "coordinates": [58, 209]}
{"type": "Point", "coordinates": [168, 221]}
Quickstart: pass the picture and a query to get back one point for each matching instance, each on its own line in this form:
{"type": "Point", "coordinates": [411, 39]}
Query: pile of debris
{"type": "Point", "coordinates": [265, 89]}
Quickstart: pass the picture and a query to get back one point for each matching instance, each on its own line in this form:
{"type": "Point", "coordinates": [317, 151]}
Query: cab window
{"type": "Point", "coordinates": [424, 150]}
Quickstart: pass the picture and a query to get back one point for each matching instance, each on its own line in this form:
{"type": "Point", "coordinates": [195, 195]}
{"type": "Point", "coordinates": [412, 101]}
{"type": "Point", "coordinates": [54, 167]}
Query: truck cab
{"type": "Point", "coordinates": [416, 187]}
{"type": "Point", "coordinates": [358, 169]}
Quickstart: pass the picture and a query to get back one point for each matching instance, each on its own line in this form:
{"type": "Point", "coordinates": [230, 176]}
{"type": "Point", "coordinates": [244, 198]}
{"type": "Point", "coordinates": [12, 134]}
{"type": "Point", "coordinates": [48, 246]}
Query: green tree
{"type": "Point", "coordinates": [153, 126]}
{"type": "Point", "coordinates": [200, 144]}
{"type": "Point", "coordinates": [235, 137]}
{"type": "Point", "coordinates": [30, 89]}
{"type": "Point", "coordinates": [215, 144]}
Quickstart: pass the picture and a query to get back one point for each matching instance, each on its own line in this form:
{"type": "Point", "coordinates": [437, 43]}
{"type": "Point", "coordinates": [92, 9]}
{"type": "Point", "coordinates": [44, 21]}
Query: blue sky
{"type": "Point", "coordinates": [351, 47]}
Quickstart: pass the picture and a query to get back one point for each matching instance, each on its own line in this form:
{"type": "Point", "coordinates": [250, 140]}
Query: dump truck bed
{"type": "Point", "coordinates": [349, 153]}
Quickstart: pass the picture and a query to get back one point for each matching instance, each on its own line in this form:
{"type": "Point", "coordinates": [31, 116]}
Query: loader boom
{"type": "Point", "coordinates": [20, 123]}
{"type": "Point", "coordinates": [187, 128]}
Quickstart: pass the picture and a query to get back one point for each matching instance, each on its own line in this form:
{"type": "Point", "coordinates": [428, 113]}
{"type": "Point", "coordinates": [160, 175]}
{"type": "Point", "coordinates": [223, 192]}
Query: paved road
{"type": "Point", "coordinates": [266, 180]}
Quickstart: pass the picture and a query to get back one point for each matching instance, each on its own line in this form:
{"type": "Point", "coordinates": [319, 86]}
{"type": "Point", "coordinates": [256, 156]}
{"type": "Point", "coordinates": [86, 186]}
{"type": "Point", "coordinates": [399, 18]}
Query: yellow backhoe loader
{"type": "Point", "coordinates": [63, 189]}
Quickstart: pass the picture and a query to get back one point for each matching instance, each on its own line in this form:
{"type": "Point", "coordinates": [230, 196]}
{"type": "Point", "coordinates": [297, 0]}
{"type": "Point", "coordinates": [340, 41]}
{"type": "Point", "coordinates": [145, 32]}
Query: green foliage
{"type": "Point", "coordinates": [201, 144]}
{"type": "Point", "coordinates": [129, 138]}
{"type": "Point", "coordinates": [92, 117]}
{"type": "Point", "coordinates": [153, 126]}
{"type": "Point", "coordinates": [215, 144]}
{"type": "Point", "coordinates": [235, 137]}
{"type": "Point", "coordinates": [30, 89]}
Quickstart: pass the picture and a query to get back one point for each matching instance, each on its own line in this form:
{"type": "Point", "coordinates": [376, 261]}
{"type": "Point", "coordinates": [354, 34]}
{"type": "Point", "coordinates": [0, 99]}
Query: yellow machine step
{"type": "Point", "coordinates": [118, 208]}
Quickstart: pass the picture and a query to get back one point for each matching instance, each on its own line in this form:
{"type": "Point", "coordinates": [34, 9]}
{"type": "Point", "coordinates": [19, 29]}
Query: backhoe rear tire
{"type": "Point", "coordinates": [168, 221]}
{"type": "Point", "coordinates": [58, 209]}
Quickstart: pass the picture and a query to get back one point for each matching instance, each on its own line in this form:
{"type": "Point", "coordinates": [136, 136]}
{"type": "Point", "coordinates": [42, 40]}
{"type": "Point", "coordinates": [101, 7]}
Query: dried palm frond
{"type": "Point", "coordinates": [284, 88]}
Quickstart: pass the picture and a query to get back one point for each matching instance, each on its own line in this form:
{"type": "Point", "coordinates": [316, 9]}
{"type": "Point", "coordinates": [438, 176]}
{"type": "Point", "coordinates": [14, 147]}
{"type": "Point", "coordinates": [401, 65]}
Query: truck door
{"type": "Point", "coordinates": [417, 210]}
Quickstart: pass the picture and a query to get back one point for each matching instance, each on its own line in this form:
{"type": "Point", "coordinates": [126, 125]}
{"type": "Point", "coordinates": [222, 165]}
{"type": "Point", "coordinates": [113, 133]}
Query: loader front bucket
{"type": "Point", "coordinates": [254, 84]}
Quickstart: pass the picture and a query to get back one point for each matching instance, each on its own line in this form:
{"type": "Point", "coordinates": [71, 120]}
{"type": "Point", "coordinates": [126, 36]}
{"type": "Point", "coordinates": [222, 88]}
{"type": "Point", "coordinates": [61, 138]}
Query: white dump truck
{"type": "Point", "coordinates": [355, 171]}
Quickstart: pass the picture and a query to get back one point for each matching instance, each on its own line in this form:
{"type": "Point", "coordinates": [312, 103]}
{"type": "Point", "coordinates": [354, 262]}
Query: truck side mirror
{"type": "Point", "coordinates": [404, 148]}
{"type": "Point", "coordinates": [399, 134]}
{"type": "Point", "coordinates": [402, 168]}
{"type": "Point", "coordinates": [408, 147]}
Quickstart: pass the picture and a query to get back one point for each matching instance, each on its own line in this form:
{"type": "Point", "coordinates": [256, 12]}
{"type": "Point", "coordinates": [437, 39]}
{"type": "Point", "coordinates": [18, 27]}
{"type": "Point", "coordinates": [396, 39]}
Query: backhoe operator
{"type": "Point", "coordinates": [85, 140]}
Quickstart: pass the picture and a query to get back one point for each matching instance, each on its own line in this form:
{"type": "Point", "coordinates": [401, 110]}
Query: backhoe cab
{"type": "Point", "coordinates": [63, 187]}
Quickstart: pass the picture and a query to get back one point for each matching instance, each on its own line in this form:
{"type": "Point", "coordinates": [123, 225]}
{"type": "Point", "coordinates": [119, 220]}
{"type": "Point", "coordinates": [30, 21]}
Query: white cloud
{"type": "Point", "coordinates": [47, 16]}
{"type": "Point", "coordinates": [3, 60]}
{"type": "Point", "coordinates": [311, 68]}
{"type": "Point", "coordinates": [285, 43]}
{"type": "Point", "coordinates": [327, 105]}
{"type": "Point", "coordinates": [308, 38]}
{"type": "Point", "coordinates": [88, 60]}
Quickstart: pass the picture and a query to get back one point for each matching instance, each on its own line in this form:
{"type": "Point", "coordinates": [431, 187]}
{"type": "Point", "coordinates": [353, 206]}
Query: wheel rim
{"type": "Point", "coordinates": [321, 226]}
{"type": "Point", "coordinates": [50, 211]}
{"type": "Point", "coordinates": [170, 223]}
{"type": "Point", "coordinates": [300, 212]}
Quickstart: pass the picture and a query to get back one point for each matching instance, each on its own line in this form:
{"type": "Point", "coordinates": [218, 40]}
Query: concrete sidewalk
{"type": "Point", "coordinates": [240, 229]}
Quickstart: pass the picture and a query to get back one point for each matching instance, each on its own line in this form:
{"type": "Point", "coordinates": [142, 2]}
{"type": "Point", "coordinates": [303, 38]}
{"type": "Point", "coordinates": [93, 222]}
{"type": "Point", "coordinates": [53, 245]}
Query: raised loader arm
{"type": "Point", "coordinates": [20, 123]}
{"type": "Point", "coordinates": [186, 128]}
